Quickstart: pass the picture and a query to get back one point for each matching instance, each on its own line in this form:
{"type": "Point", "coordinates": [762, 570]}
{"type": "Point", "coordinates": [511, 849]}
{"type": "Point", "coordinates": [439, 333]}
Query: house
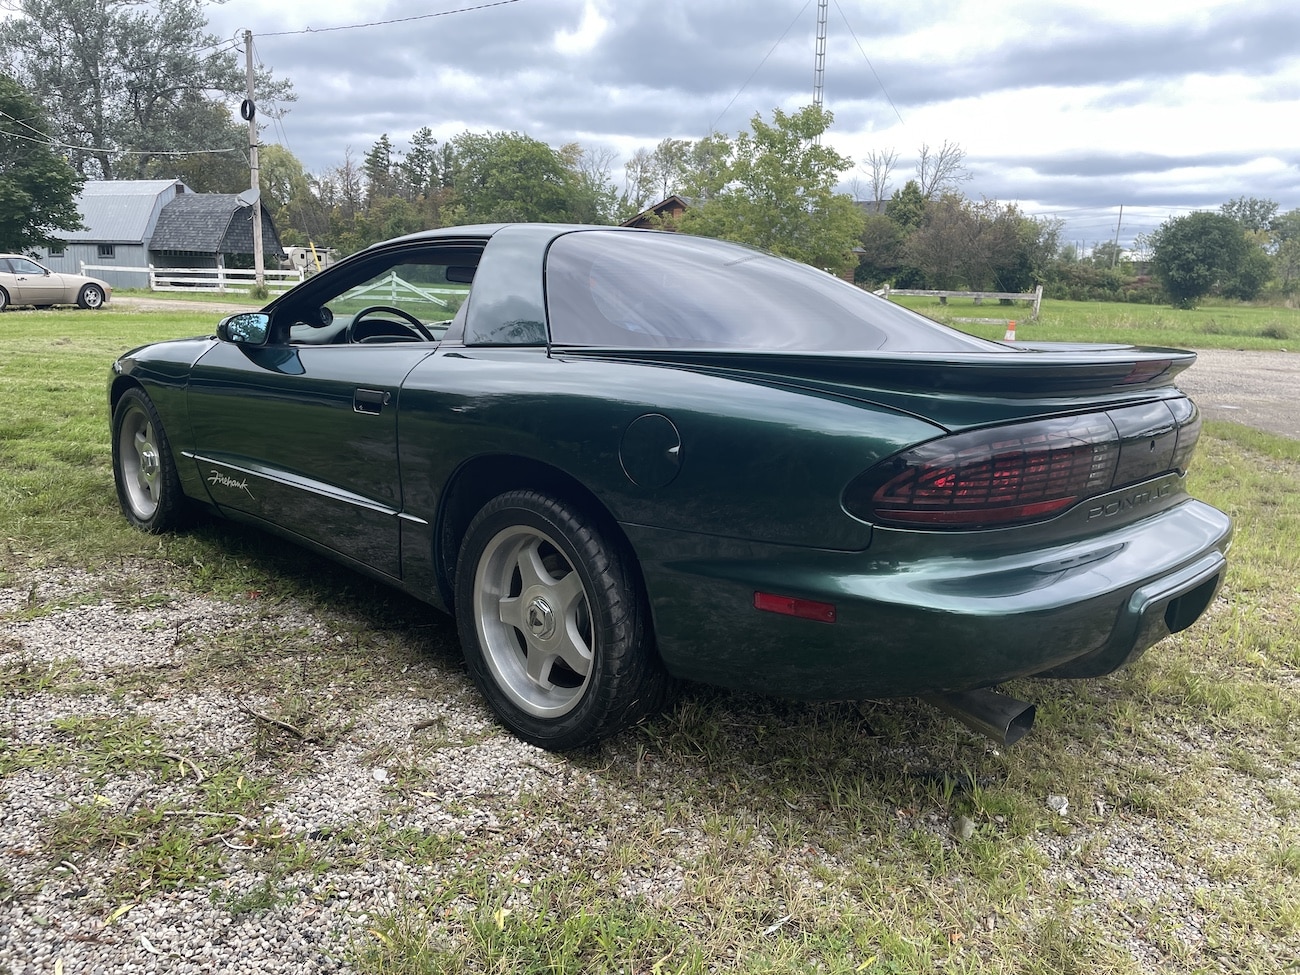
{"type": "Point", "coordinates": [664, 215]}
{"type": "Point", "coordinates": [134, 223]}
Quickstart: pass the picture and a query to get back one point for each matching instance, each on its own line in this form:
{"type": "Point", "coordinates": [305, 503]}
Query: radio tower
{"type": "Point", "coordinates": [819, 64]}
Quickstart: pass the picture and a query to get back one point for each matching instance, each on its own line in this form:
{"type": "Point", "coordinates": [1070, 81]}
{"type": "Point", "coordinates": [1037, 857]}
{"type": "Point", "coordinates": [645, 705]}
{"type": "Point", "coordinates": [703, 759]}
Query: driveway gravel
{"type": "Point", "coordinates": [1259, 389]}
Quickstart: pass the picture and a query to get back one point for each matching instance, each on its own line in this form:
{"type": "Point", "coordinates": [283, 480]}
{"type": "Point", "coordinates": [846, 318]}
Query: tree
{"type": "Point", "coordinates": [1251, 275]}
{"type": "Point", "coordinates": [38, 189]}
{"type": "Point", "coordinates": [506, 176]}
{"type": "Point", "coordinates": [706, 171]}
{"type": "Point", "coordinates": [289, 193]}
{"type": "Point", "coordinates": [418, 171]}
{"type": "Point", "coordinates": [1195, 253]}
{"type": "Point", "coordinates": [939, 171]}
{"type": "Point", "coordinates": [1286, 236]}
{"type": "Point", "coordinates": [1106, 253]}
{"type": "Point", "coordinates": [777, 192]}
{"type": "Point", "coordinates": [638, 183]}
{"type": "Point", "coordinates": [129, 83]}
{"type": "Point", "coordinates": [879, 167]}
{"type": "Point", "coordinates": [669, 165]}
{"type": "Point", "coordinates": [206, 123]}
{"type": "Point", "coordinates": [377, 165]}
{"type": "Point", "coordinates": [882, 252]}
{"type": "Point", "coordinates": [595, 198]}
{"type": "Point", "coordinates": [906, 207]}
{"type": "Point", "coordinates": [1252, 213]}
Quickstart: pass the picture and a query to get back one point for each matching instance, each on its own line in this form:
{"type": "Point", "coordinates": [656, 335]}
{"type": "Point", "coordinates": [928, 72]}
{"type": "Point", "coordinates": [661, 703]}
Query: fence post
{"type": "Point", "coordinates": [153, 280]}
{"type": "Point", "coordinates": [1038, 300]}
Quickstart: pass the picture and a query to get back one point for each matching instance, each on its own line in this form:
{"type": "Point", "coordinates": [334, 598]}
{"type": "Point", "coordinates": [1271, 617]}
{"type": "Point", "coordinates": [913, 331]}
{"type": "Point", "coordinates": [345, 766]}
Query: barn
{"type": "Point", "coordinates": [131, 224]}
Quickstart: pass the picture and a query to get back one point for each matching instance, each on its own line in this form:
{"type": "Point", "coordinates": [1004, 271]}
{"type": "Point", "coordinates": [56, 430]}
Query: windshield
{"type": "Point", "coordinates": [646, 290]}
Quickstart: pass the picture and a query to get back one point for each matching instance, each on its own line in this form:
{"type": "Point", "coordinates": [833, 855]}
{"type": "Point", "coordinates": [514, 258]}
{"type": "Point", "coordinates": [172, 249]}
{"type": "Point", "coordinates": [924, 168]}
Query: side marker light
{"type": "Point", "coordinates": [805, 609]}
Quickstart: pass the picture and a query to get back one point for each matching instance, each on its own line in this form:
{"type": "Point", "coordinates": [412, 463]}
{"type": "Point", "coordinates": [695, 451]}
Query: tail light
{"type": "Point", "coordinates": [1026, 472]}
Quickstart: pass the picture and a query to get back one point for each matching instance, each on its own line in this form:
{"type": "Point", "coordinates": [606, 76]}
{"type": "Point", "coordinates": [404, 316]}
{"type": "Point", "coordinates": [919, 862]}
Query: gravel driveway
{"type": "Point", "coordinates": [1259, 389]}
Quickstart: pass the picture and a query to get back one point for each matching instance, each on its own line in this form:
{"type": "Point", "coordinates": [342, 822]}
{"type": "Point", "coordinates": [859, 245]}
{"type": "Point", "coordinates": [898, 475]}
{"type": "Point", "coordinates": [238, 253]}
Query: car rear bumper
{"type": "Point", "coordinates": [935, 622]}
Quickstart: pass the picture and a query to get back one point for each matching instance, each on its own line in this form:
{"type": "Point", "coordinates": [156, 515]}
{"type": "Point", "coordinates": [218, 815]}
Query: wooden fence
{"type": "Point", "coordinates": [1035, 296]}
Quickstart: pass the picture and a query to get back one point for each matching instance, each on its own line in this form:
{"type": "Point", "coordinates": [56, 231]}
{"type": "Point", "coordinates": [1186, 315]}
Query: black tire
{"type": "Point", "coordinates": [576, 663]}
{"type": "Point", "coordinates": [91, 296]}
{"type": "Point", "coordinates": [144, 470]}
{"type": "Point", "coordinates": [4, 299]}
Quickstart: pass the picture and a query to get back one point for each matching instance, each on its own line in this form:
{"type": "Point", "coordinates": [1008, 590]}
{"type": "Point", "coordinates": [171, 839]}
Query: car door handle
{"type": "Point", "coordinates": [370, 400]}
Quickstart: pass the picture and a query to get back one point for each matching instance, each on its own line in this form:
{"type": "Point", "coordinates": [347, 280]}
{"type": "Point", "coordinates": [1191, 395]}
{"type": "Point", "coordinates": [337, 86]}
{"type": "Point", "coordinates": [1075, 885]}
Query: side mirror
{"type": "Point", "coordinates": [249, 328]}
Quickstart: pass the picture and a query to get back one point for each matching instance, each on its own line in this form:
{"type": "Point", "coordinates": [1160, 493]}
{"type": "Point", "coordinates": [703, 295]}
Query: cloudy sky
{"type": "Point", "coordinates": [1066, 107]}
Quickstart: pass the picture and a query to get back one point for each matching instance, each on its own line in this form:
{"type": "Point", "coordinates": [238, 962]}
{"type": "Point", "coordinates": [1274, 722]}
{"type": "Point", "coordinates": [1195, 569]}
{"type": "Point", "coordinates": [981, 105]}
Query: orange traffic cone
{"type": "Point", "coordinates": [1011, 332]}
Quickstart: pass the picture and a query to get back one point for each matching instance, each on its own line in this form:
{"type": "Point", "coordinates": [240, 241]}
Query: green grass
{"type": "Point", "coordinates": [1226, 326]}
{"type": "Point", "coordinates": [780, 837]}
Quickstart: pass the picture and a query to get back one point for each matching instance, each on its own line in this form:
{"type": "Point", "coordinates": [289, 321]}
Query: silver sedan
{"type": "Point", "coordinates": [24, 282]}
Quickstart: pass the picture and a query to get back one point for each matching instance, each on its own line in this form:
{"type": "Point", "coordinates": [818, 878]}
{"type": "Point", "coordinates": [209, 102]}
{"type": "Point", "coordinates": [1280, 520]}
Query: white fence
{"type": "Point", "coordinates": [224, 280]}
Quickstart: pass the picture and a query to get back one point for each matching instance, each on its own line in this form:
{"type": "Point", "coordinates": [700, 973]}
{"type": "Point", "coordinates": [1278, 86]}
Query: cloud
{"type": "Point", "coordinates": [1066, 104]}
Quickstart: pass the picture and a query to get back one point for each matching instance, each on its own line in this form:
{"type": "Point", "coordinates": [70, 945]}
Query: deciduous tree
{"type": "Point", "coordinates": [506, 176]}
{"type": "Point", "coordinates": [128, 82]}
{"type": "Point", "coordinates": [1286, 234]}
{"type": "Point", "coordinates": [939, 171]}
{"type": "Point", "coordinates": [1195, 253]}
{"type": "Point", "coordinates": [1251, 212]}
{"type": "Point", "coordinates": [879, 168]}
{"type": "Point", "coordinates": [777, 192]}
{"type": "Point", "coordinates": [38, 189]}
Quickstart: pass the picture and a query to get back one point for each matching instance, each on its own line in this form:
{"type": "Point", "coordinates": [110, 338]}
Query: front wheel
{"type": "Point", "coordinates": [554, 624]}
{"type": "Point", "coordinates": [91, 296]}
{"type": "Point", "coordinates": [148, 486]}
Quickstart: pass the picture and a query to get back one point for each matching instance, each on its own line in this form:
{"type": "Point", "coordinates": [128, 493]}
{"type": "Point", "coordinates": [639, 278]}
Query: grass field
{"type": "Point", "coordinates": [1232, 326]}
{"type": "Point", "coordinates": [732, 834]}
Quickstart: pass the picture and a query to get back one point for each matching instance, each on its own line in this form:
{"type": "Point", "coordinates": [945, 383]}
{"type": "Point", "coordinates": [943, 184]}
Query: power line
{"type": "Point", "coordinates": [884, 91]}
{"type": "Point", "coordinates": [743, 86]}
{"type": "Point", "coordinates": [384, 23]}
{"type": "Point", "coordinates": [52, 143]}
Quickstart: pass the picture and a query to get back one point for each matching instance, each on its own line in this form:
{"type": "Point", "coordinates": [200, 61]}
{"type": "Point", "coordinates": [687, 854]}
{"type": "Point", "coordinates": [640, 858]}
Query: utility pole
{"type": "Point", "coordinates": [1114, 254]}
{"type": "Point", "coordinates": [249, 111]}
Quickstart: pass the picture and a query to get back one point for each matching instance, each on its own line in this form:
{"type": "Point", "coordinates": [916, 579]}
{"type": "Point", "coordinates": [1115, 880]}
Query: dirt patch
{"type": "Point", "coordinates": [141, 303]}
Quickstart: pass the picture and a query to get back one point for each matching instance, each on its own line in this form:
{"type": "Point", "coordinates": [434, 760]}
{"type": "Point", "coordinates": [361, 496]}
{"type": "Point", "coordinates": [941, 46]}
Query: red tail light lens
{"type": "Point", "coordinates": [988, 478]}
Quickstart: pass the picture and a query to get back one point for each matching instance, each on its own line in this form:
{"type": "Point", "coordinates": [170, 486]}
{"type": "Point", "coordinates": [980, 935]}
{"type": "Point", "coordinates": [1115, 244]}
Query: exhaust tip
{"type": "Point", "coordinates": [1001, 718]}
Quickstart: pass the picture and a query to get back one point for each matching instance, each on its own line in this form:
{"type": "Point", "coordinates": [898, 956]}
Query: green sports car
{"type": "Point", "coordinates": [622, 457]}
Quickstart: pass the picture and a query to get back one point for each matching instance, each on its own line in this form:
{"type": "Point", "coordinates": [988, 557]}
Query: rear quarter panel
{"type": "Point", "coordinates": [756, 462]}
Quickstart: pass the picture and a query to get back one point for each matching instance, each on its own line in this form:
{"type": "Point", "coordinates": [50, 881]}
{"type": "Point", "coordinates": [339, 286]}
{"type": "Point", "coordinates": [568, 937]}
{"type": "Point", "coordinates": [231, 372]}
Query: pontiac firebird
{"type": "Point", "coordinates": [622, 458]}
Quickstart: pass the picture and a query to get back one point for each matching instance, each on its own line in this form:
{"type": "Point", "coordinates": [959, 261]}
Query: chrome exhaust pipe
{"type": "Point", "coordinates": [994, 715]}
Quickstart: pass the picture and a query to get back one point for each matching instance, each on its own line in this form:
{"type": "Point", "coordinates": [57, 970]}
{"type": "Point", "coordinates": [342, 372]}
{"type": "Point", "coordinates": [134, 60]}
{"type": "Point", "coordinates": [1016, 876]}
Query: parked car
{"type": "Point", "coordinates": [24, 282]}
{"type": "Point", "coordinates": [621, 457]}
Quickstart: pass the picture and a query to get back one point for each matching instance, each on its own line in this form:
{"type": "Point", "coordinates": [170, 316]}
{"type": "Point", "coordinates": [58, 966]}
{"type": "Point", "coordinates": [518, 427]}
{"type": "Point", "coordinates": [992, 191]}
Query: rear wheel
{"type": "Point", "coordinates": [554, 624]}
{"type": "Point", "coordinates": [4, 299]}
{"type": "Point", "coordinates": [148, 486]}
{"type": "Point", "coordinates": [91, 296]}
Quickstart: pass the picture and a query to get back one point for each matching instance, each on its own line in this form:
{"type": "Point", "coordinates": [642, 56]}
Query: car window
{"type": "Point", "coordinates": [620, 289]}
{"type": "Point", "coordinates": [390, 294]}
{"type": "Point", "coordinates": [23, 266]}
{"type": "Point", "coordinates": [424, 287]}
